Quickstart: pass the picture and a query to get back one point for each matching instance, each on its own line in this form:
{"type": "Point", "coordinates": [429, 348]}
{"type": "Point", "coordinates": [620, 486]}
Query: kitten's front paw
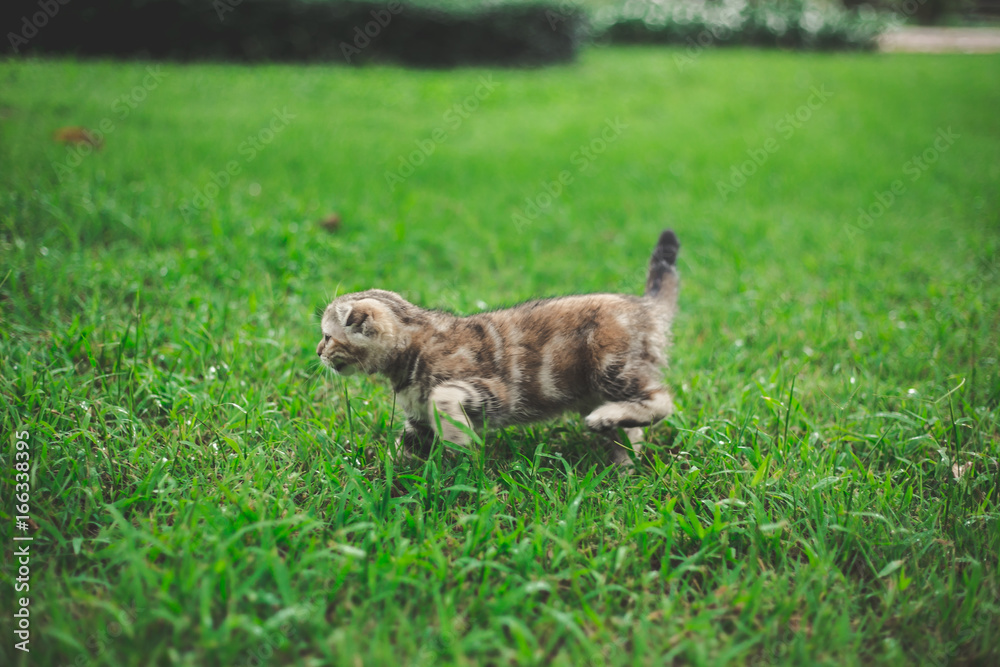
{"type": "Point", "coordinates": [618, 415]}
{"type": "Point", "coordinates": [609, 416]}
{"type": "Point", "coordinates": [596, 422]}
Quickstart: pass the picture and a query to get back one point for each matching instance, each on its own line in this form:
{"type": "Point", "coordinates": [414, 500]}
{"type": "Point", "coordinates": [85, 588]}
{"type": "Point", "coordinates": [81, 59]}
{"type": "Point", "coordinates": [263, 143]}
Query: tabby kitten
{"type": "Point", "coordinates": [597, 354]}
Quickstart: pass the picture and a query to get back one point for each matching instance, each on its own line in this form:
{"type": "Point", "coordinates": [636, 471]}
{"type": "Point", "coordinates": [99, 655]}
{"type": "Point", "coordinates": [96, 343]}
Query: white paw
{"type": "Point", "coordinates": [605, 417]}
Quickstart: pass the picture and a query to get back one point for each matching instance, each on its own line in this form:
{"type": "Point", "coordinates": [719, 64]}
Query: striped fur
{"type": "Point", "coordinates": [601, 355]}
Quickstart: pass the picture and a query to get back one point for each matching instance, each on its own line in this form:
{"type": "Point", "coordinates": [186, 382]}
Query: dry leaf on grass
{"type": "Point", "coordinates": [331, 223]}
{"type": "Point", "coordinates": [77, 136]}
{"type": "Point", "coordinates": [958, 471]}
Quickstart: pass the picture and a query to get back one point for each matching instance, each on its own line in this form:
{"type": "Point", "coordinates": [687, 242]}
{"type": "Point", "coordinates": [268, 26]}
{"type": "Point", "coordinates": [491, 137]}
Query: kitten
{"type": "Point", "coordinates": [597, 354]}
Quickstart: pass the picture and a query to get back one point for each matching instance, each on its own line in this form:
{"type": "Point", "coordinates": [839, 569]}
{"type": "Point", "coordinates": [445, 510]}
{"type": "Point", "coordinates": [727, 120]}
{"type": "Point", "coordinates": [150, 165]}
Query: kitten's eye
{"type": "Point", "coordinates": [326, 337]}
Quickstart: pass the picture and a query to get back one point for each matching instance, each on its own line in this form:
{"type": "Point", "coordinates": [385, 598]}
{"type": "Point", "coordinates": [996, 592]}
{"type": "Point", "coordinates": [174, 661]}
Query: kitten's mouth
{"type": "Point", "coordinates": [342, 367]}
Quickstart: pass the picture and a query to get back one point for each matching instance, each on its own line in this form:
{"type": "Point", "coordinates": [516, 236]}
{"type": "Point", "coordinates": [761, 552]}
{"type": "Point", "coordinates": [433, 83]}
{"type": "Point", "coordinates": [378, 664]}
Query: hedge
{"type": "Point", "coordinates": [293, 30]}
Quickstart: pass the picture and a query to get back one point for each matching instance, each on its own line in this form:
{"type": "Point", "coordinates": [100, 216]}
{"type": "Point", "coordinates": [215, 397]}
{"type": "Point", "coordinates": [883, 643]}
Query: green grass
{"type": "Point", "coordinates": [204, 495]}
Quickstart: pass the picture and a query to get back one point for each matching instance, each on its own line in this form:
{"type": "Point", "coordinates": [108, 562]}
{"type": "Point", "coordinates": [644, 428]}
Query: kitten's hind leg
{"type": "Point", "coordinates": [620, 452]}
{"type": "Point", "coordinates": [631, 416]}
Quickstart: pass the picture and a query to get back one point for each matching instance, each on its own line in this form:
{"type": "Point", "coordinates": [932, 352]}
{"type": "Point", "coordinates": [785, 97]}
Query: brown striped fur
{"type": "Point", "coordinates": [601, 355]}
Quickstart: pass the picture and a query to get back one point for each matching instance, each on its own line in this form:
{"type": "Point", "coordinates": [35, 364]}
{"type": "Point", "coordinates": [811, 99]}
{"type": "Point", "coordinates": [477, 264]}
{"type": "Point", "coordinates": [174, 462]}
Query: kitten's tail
{"type": "Point", "coordinates": [663, 281]}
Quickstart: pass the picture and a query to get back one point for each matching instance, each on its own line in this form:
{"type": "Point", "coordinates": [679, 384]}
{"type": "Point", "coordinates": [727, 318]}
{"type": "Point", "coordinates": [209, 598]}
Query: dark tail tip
{"type": "Point", "coordinates": [661, 282]}
{"type": "Point", "coordinates": [667, 248]}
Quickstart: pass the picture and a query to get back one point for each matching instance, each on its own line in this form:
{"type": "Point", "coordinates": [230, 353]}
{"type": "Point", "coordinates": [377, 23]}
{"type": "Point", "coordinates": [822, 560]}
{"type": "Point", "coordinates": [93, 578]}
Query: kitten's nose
{"type": "Point", "coordinates": [319, 349]}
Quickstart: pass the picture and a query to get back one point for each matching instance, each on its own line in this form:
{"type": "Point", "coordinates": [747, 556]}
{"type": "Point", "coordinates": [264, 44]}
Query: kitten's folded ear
{"type": "Point", "coordinates": [367, 317]}
{"type": "Point", "coordinates": [359, 318]}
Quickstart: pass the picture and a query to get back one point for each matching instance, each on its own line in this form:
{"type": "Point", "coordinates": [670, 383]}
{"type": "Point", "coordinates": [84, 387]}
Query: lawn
{"type": "Point", "coordinates": [201, 493]}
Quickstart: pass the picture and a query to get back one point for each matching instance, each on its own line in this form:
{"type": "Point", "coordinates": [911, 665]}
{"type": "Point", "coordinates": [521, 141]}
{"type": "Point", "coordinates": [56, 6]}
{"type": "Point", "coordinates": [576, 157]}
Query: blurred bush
{"type": "Point", "coordinates": [807, 24]}
{"type": "Point", "coordinates": [294, 30]}
{"type": "Point", "coordinates": [929, 12]}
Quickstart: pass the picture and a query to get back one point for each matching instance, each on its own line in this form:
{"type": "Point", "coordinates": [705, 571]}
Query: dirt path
{"type": "Point", "coordinates": [941, 40]}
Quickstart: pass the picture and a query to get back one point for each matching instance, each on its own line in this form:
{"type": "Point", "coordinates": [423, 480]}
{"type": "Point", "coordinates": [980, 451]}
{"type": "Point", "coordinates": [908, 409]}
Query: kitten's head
{"type": "Point", "coordinates": [359, 332]}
